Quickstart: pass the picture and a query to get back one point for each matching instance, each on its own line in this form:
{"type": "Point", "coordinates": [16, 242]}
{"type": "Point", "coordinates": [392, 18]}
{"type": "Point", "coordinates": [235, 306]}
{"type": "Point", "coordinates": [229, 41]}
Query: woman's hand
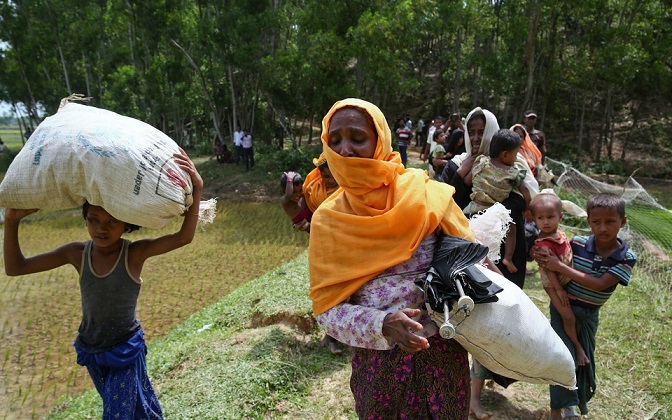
{"type": "Point", "coordinates": [400, 328]}
{"type": "Point", "coordinates": [465, 166]}
{"type": "Point", "coordinates": [536, 253]}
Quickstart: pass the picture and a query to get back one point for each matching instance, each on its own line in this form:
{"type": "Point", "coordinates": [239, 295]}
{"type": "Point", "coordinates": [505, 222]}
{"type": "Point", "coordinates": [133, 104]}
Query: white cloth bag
{"type": "Point", "coordinates": [513, 338]}
{"type": "Point", "coordinates": [85, 153]}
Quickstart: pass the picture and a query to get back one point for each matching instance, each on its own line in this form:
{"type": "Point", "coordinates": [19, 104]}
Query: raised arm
{"type": "Point", "coordinates": [146, 248]}
{"type": "Point", "coordinates": [289, 187]}
{"type": "Point", "coordinates": [16, 264]}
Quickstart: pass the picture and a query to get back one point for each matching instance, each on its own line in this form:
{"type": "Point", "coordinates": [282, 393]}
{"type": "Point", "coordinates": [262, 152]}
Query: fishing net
{"type": "Point", "coordinates": [648, 230]}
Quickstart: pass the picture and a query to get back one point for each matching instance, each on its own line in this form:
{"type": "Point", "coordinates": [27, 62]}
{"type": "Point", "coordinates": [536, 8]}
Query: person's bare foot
{"type": "Point", "coordinates": [478, 410]}
{"type": "Point", "coordinates": [581, 358]}
{"type": "Point", "coordinates": [509, 265]}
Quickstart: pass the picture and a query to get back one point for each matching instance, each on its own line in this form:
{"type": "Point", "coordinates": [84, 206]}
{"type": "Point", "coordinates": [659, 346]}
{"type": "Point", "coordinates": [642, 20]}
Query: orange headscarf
{"type": "Point", "coordinates": [314, 190]}
{"type": "Point", "coordinates": [378, 217]}
{"type": "Point", "coordinates": [529, 150]}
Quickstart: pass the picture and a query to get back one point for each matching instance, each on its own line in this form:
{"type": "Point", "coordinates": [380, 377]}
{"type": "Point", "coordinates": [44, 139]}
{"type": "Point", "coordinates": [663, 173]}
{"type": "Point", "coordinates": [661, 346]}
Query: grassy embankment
{"type": "Point", "coordinates": [244, 355]}
{"type": "Point", "coordinates": [225, 362]}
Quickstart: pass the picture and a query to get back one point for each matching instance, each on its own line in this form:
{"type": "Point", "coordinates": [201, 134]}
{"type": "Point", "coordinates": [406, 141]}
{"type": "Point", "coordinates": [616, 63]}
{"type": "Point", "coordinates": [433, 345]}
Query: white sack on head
{"type": "Point", "coordinates": [513, 338]}
{"type": "Point", "coordinates": [83, 153]}
{"type": "Point", "coordinates": [490, 227]}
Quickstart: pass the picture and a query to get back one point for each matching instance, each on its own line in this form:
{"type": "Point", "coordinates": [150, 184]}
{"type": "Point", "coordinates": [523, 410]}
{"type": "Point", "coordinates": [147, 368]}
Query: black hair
{"type": "Point", "coordinates": [297, 180]}
{"type": "Point", "coordinates": [477, 115]}
{"type": "Point", "coordinates": [504, 140]}
{"type": "Point", "coordinates": [129, 226]}
{"type": "Point", "coordinates": [607, 201]}
{"type": "Point", "coordinates": [437, 133]}
{"type": "Point", "coordinates": [546, 198]}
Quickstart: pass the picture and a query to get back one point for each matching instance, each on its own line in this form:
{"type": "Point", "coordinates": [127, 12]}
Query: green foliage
{"type": "Point", "coordinates": [277, 161]}
{"type": "Point", "coordinates": [589, 68]}
{"type": "Point", "coordinates": [615, 167]}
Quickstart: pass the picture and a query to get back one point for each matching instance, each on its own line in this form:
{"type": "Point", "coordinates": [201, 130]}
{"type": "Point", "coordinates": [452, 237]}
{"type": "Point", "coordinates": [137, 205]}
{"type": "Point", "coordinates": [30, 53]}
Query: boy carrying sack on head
{"type": "Point", "coordinates": [110, 342]}
{"type": "Point", "coordinates": [601, 261]}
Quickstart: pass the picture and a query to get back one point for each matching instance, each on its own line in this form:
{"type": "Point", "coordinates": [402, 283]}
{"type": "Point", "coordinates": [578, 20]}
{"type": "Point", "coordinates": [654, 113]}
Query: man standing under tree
{"type": "Point", "coordinates": [238, 144]}
{"type": "Point", "coordinates": [537, 136]}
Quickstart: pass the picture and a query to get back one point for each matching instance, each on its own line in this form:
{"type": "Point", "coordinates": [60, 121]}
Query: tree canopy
{"type": "Point", "coordinates": [593, 70]}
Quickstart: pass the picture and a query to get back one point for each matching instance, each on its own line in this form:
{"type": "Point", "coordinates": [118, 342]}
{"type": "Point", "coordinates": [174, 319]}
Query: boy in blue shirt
{"type": "Point", "coordinates": [601, 262]}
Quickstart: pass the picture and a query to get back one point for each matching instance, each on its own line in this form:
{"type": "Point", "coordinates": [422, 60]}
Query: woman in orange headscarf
{"type": "Point", "coordinates": [370, 240]}
{"type": "Point", "coordinates": [528, 149]}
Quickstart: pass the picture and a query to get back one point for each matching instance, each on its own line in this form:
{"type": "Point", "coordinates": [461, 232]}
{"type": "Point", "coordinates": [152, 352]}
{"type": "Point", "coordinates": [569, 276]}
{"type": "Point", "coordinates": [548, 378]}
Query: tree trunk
{"type": "Point", "coordinates": [234, 104]}
{"type": "Point", "coordinates": [213, 106]}
{"type": "Point", "coordinates": [582, 121]}
{"type": "Point", "coordinates": [310, 128]}
{"type": "Point", "coordinates": [635, 121]}
{"type": "Point", "coordinates": [534, 7]}
{"type": "Point", "coordinates": [458, 71]}
{"type": "Point", "coordinates": [31, 106]}
{"type": "Point", "coordinates": [87, 76]}
{"type": "Point", "coordinates": [256, 100]}
{"type": "Point", "coordinates": [609, 125]}
{"type": "Point", "coordinates": [131, 37]}
{"type": "Point", "coordinates": [65, 68]}
{"type": "Point", "coordinates": [19, 120]}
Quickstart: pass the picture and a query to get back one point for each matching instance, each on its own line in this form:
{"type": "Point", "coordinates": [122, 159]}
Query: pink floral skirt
{"type": "Point", "coordinates": [429, 384]}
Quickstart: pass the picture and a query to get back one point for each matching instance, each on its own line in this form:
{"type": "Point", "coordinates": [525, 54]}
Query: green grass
{"type": "Point", "coordinates": [231, 335]}
{"type": "Point", "coordinates": [41, 312]}
{"type": "Point", "coordinates": [252, 354]}
{"type": "Point", "coordinates": [656, 224]}
{"type": "Point", "coordinates": [254, 362]}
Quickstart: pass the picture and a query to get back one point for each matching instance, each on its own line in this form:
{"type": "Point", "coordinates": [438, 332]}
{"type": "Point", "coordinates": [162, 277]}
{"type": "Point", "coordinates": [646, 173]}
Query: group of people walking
{"type": "Point", "coordinates": [376, 233]}
{"type": "Point", "coordinates": [374, 225]}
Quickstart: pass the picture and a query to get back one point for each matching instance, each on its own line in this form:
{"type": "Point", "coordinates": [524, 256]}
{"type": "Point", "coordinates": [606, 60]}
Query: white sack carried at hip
{"type": "Point", "coordinates": [513, 338]}
{"type": "Point", "coordinates": [85, 153]}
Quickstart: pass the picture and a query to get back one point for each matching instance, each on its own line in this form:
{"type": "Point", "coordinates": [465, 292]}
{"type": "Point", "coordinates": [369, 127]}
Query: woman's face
{"type": "Point", "coordinates": [352, 133]}
{"type": "Point", "coordinates": [519, 131]}
{"type": "Point", "coordinates": [475, 127]}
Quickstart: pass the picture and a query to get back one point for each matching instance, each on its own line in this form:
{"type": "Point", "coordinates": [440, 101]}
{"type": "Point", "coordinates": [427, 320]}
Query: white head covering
{"type": "Point", "coordinates": [491, 127]}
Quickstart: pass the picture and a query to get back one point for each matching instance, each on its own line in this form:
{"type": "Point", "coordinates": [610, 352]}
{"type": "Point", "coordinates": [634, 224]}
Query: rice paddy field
{"type": "Point", "coordinates": [41, 312]}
